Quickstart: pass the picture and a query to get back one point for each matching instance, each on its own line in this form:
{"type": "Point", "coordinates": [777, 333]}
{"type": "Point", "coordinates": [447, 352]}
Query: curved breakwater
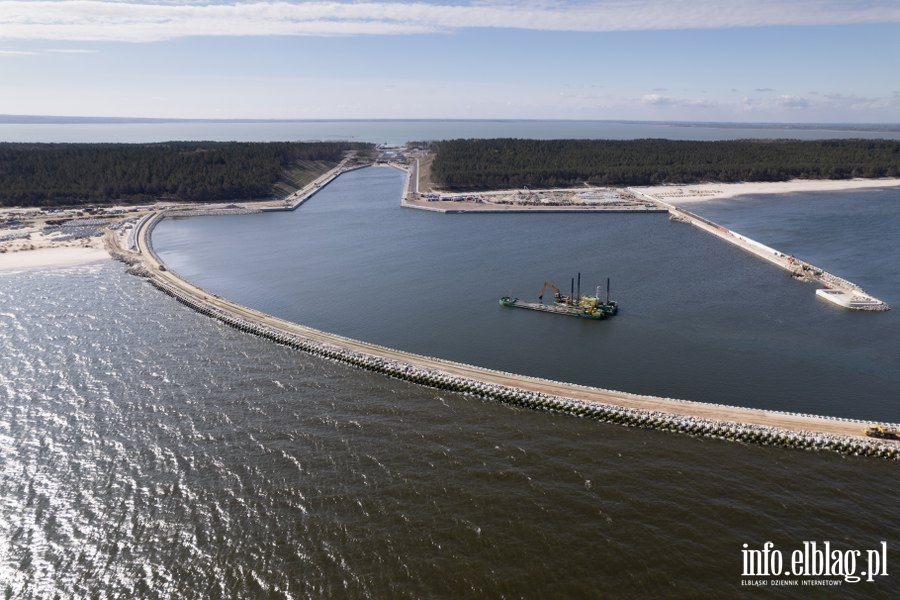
{"type": "Point", "coordinates": [446, 375]}
{"type": "Point", "coordinates": [733, 431]}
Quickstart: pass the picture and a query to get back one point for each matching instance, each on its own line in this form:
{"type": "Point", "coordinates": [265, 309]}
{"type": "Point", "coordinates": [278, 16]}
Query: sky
{"type": "Point", "coordinates": [794, 61]}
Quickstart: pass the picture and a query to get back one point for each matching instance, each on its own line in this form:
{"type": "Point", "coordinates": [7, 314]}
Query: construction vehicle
{"type": "Point", "coordinates": [884, 433]}
{"type": "Point", "coordinates": [557, 297]}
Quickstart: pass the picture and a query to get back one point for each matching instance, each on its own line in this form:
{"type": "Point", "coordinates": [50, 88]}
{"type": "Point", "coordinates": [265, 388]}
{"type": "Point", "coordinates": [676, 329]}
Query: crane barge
{"type": "Point", "coordinates": [573, 305]}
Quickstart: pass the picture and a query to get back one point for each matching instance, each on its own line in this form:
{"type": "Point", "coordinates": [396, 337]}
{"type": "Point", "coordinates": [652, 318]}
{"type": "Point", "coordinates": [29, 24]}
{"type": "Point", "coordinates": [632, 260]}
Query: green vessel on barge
{"type": "Point", "coordinates": [583, 307]}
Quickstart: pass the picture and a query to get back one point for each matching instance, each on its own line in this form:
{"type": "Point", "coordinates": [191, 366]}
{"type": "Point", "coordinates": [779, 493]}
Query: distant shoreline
{"type": "Point", "coordinates": [787, 126]}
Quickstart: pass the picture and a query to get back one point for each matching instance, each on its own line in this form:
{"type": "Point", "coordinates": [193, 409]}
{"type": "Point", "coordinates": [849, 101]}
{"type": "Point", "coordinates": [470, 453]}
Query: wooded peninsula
{"type": "Point", "coordinates": [476, 164]}
{"type": "Point", "coordinates": [75, 174]}
{"type": "Point", "coordinates": [78, 174]}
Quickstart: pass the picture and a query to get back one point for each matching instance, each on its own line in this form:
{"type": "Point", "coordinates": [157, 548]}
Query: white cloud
{"type": "Point", "coordinates": [855, 103]}
{"type": "Point", "coordinates": [787, 101]}
{"type": "Point", "coordinates": [659, 100]}
{"type": "Point", "coordinates": [154, 20]}
{"type": "Point", "coordinates": [822, 107]}
{"type": "Point", "coordinates": [68, 51]}
{"type": "Point", "coordinates": [11, 53]}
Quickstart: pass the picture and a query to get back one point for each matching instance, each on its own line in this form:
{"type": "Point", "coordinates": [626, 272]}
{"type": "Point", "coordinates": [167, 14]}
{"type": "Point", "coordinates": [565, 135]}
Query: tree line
{"type": "Point", "coordinates": [73, 174]}
{"type": "Point", "coordinates": [474, 164]}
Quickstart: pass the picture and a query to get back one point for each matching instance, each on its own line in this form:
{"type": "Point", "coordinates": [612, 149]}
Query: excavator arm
{"type": "Point", "coordinates": [552, 287]}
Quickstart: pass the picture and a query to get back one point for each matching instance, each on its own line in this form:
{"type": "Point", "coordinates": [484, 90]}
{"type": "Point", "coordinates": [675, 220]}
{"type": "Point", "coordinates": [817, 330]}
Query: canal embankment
{"type": "Point", "coordinates": [291, 202]}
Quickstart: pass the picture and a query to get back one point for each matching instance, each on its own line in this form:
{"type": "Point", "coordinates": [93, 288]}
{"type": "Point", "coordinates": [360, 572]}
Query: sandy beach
{"type": "Point", "coordinates": [31, 238]}
{"type": "Point", "coordinates": [44, 258]}
{"type": "Point", "coordinates": [683, 194]}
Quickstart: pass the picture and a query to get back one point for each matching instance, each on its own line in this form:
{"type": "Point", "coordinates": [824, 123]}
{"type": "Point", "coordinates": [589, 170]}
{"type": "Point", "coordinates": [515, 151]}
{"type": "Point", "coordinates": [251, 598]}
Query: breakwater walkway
{"type": "Point", "coordinates": [836, 289]}
{"type": "Point", "coordinates": [693, 418]}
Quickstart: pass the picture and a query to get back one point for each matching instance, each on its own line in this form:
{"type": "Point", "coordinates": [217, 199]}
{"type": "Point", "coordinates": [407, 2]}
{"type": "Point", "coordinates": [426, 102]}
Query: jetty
{"type": "Point", "coordinates": [836, 290]}
{"type": "Point", "coordinates": [757, 426]}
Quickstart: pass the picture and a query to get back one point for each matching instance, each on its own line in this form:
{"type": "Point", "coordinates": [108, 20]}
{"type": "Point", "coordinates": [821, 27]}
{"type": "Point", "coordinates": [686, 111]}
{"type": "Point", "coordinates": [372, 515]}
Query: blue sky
{"type": "Point", "coordinates": [691, 60]}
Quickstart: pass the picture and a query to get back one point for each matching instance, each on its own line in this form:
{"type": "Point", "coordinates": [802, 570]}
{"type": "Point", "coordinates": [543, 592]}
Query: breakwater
{"type": "Point", "coordinates": [698, 419]}
{"type": "Point", "coordinates": [435, 378]}
{"type": "Point", "coordinates": [841, 291]}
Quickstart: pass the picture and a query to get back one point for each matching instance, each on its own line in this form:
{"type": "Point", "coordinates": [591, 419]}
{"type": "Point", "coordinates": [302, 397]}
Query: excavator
{"type": "Point", "coordinates": [558, 297]}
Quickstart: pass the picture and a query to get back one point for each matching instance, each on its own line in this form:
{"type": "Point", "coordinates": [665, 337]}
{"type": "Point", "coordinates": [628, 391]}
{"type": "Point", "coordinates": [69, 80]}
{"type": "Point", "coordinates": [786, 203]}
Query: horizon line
{"type": "Point", "coordinates": [10, 119]}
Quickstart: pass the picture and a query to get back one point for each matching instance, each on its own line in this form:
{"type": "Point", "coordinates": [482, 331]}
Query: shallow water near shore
{"type": "Point", "coordinates": [699, 319]}
{"type": "Point", "coordinates": [148, 451]}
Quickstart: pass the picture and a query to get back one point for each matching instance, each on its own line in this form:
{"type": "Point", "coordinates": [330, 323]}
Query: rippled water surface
{"type": "Point", "coordinates": [150, 452]}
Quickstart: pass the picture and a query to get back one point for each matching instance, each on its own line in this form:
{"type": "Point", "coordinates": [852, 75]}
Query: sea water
{"type": "Point", "coordinates": [147, 451]}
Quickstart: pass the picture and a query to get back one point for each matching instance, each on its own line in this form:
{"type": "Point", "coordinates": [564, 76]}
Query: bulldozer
{"type": "Point", "coordinates": [884, 433]}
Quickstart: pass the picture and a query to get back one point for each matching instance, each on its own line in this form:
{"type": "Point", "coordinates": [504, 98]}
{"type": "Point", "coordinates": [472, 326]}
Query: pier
{"type": "Point", "coordinates": [725, 422]}
{"type": "Point", "coordinates": [836, 290]}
